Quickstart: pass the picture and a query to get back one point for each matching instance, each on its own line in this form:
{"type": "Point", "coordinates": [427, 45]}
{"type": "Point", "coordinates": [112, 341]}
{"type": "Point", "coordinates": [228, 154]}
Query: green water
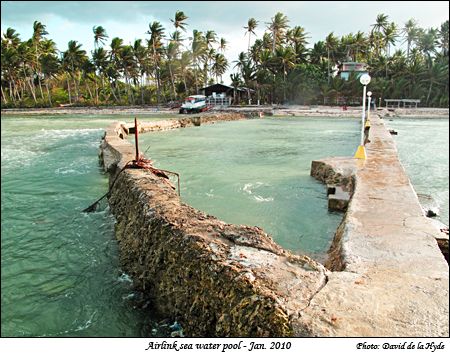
{"type": "Point", "coordinates": [256, 172]}
{"type": "Point", "coordinates": [59, 267]}
{"type": "Point", "coordinates": [423, 147]}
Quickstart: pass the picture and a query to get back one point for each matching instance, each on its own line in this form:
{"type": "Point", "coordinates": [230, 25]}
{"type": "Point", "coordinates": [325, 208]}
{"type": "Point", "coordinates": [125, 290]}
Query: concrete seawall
{"type": "Point", "coordinates": [220, 279]}
{"type": "Point", "coordinates": [217, 279]}
{"type": "Point", "coordinates": [389, 276]}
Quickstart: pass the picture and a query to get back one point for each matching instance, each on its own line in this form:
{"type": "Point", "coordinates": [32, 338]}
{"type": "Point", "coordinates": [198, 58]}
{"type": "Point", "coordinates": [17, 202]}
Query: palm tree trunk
{"type": "Point", "coordinates": [273, 43]}
{"type": "Point", "coordinates": [112, 91]}
{"type": "Point", "coordinates": [48, 94]}
{"type": "Point", "coordinates": [3, 95]}
{"type": "Point", "coordinates": [328, 63]}
{"type": "Point", "coordinates": [68, 89]}
{"type": "Point", "coordinates": [30, 85]}
{"type": "Point", "coordinates": [142, 90]}
{"type": "Point", "coordinates": [184, 82]}
{"type": "Point", "coordinates": [89, 90]}
{"type": "Point", "coordinates": [173, 84]}
{"type": "Point", "coordinates": [15, 89]}
{"type": "Point", "coordinates": [40, 88]}
{"type": "Point", "coordinates": [118, 91]}
{"type": "Point", "coordinates": [11, 93]}
{"type": "Point", "coordinates": [429, 93]}
{"type": "Point", "coordinates": [196, 82]}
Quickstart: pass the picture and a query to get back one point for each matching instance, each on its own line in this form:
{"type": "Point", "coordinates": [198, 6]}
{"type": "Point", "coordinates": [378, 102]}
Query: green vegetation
{"type": "Point", "coordinates": [278, 67]}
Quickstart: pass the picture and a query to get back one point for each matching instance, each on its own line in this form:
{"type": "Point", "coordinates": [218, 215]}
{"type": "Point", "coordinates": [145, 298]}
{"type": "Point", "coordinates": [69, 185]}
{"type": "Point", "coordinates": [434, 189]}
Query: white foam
{"type": "Point", "coordinates": [125, 278]}
{"type": "Point", "coordinates": [258, 198]}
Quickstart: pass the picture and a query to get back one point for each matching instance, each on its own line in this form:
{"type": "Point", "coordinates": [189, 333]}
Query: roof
{"type": "Point", "coordinates": [217, 85]}
{"type": "Point", "coordinates": [243, 89]}
{"type": "Point", "coordinates": [197, 96]}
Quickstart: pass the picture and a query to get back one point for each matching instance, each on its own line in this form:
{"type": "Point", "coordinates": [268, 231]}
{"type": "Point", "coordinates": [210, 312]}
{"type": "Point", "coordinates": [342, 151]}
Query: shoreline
{"type": "Point", "coordinates": [276, 111]}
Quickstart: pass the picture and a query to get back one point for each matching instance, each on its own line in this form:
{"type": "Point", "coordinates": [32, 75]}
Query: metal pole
{"type": "Point", "coordinates": [368, 107]}
{"type": "Point", "coordinates": [363, 116]}
{"type": "Point", "coordinates": [136, 133]}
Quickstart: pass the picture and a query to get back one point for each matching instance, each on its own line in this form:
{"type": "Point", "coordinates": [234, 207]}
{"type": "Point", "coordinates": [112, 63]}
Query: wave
{"type": "Point", "coordinates": [249, 189]}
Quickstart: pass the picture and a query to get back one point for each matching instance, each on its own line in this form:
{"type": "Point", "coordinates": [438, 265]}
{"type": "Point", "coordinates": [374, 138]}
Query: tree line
{"type": "Point", "coordinates": [170, 64]}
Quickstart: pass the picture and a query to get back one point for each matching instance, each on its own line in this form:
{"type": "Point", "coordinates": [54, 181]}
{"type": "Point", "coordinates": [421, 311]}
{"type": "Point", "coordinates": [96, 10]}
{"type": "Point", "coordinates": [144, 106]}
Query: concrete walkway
{"type": "Point", "coordinates": [390, 277]}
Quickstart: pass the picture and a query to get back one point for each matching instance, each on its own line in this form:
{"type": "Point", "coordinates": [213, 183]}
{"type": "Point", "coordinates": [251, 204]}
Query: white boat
{"type": "Point", "coordinates": [194, 104]}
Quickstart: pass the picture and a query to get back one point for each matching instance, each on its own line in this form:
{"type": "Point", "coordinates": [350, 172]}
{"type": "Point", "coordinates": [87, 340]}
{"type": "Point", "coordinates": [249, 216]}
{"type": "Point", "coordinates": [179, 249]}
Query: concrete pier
{"type": "Point", "coordinates": [389, 276]}
{"type": "Point", "coordinates": [386, 275]}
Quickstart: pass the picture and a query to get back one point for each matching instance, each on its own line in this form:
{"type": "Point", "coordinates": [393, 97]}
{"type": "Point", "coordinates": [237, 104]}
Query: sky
{"type": "Point", "coordinates": [129, 20]}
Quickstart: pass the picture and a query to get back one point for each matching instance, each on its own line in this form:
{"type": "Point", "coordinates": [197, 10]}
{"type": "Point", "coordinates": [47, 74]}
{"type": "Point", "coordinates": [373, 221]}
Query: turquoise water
{"type": "Point", "coordinates": [60, 271]}
{"type": "Point", "coordinates": [256, 172]}
{"type": "Point", "coordinates": [423, 146]}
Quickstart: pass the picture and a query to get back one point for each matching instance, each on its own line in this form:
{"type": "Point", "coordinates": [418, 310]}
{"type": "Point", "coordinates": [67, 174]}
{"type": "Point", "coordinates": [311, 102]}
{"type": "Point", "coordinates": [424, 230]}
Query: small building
{"type": "Point", "coordinates": [345, 69]}
{"type": "Point", "coordinates": [224, 95]}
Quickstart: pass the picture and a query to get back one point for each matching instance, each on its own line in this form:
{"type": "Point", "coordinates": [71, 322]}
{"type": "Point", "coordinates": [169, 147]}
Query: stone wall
{"type": "Point", "coordinates": [217, 279]}
{"type": "Point", "coordinates": [389, 277]}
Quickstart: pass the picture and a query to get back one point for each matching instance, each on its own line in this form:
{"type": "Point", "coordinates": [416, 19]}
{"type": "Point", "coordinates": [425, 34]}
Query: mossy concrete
{"type": "Point", "coordinates": [217, 279]}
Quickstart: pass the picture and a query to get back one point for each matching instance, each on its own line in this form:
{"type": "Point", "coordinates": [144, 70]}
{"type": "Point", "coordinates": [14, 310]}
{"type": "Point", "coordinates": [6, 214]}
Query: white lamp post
{"type": "Point", "coordinates": [361, 151]}
{"type": "Point", "coordinates": [369, 94]}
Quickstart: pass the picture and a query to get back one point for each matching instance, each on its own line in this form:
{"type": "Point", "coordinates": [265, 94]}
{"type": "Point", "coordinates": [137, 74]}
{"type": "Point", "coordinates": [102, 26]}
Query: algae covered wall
{"type": "Point", "coordinates": [217, 279]}
{"type": "Point", "coordinates": [388, 275]}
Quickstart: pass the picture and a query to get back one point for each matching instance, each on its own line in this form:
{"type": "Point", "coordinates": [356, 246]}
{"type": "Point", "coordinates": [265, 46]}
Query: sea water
{"type": "Point", "coordinates": [60, 270]}
{"type": "Point", "coordinates": [423, 147]}
{"type": "Point", "coordinates": [257, 172]}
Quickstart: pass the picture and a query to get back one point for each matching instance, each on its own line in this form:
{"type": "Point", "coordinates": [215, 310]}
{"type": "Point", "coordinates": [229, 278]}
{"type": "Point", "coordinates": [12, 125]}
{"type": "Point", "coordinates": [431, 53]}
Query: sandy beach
{"type": "Point", "coordinates": [284, 110]}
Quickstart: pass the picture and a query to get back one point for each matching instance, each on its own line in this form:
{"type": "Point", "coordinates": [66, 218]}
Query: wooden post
{"type": "Point", "coordinates": [136, 133]}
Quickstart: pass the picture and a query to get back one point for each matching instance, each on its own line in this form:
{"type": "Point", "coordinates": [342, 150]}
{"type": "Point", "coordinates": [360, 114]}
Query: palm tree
{"type": "Point", "coordinates": [277, 27]}
{"type": "Point", "coordinates": [381, 23]}
{"type": "Point", "coordinates": [285, 56]}
{"type": "Point", "coordinates": [99, 35]}
{"type": "Point", "coordinates": [360, 43]}
{"type": "Point", "coordinates": [73, 58]}
{"type": "Point", "coordinates": [390, 35]}
{"type": "Point", "coordinates": [185, 62]}
{"type": "Point", "coordinates": [220, 66]}
{"type": "Point", "coordinates": [171, 52]}
{"type": "Point", "coordinates": [410, 32]}
{"type": "Point", "coordinates": [251, 26]}
{"type": "Point", "coordinates": [443, 37]}
{"type": "Point", "coordinates": [318, 53]}
{"type": "Point", "coordinates": [198, 50]}
{"type": "Point", "coordinates": [433, 75]}
{"type": "Point", "coordinates": [115, 64]}
{"type": "Point", "coordinates": [100, 60]}
{"type": "Point", "coordinates": [48, 63]}
{"type": "Point", "coordinates": [178, 23]}
{"type": "Point", "coordinates": [38, 34]}
{"type": "Point", "coordinates": [331, 43]}
{"type": "Point", "coordinates": [242, 59]}
{"type": "Point", "coordinates": [223, 44]}
{"type": "Point", "coordinates": [378, 27]}
{"type": "Point", "coordinates": [10, 61]}
{"type": "Point", "coordinates": [235, 82]}
{"type": "Point", "coordinates": [427, 42]}
{"type": "Point", "coordinates": [140, 56]}
{"type": "Point", "coordinates": [11, 38]}
{"type": "Point", "coordinates": [156, 31]}
{"type": "Point", "coordinates": [178, 20]}
{"type": "Point", "coordinates": [26, 57]}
